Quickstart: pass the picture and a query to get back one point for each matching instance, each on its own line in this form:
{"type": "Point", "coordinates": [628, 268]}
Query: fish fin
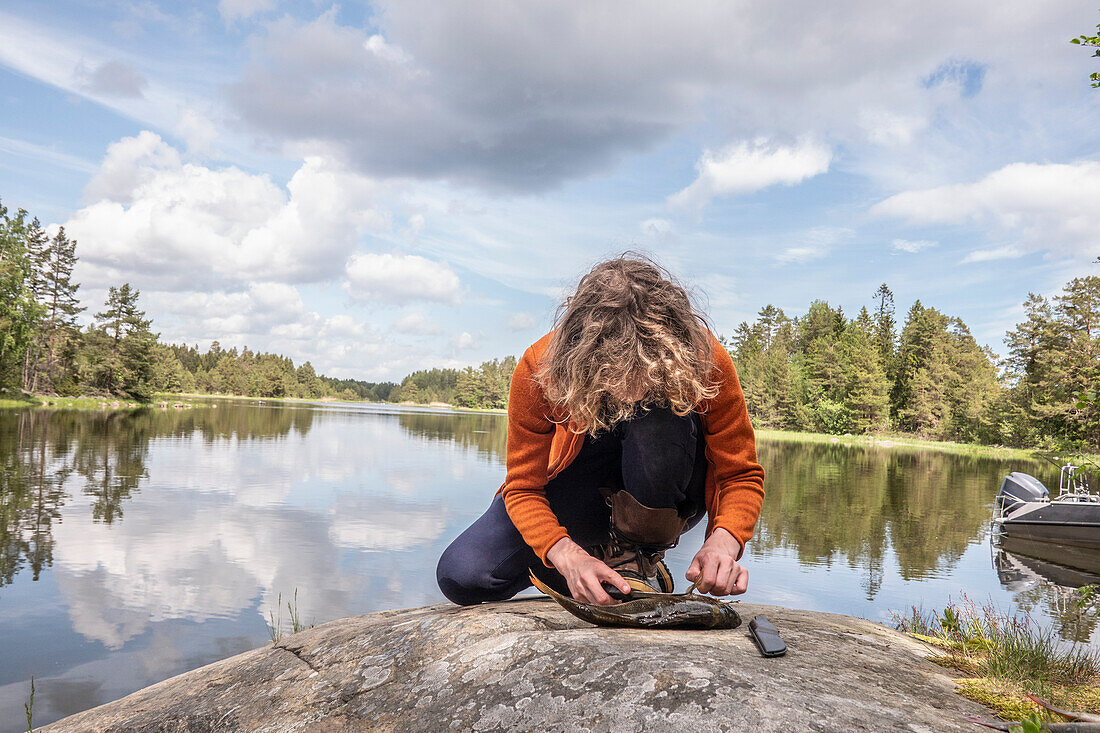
{"type": "Point", "coordinates": [565, 601]}
{"type": "Point", "coordinates": [544, 587]}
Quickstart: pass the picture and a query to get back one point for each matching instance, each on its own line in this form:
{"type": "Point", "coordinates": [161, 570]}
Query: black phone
{"type": "Point", "coordinates": [767, 637]}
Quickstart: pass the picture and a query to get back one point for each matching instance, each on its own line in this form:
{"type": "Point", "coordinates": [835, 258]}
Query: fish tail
{"type": "Point", "coordinates": [572, 605]}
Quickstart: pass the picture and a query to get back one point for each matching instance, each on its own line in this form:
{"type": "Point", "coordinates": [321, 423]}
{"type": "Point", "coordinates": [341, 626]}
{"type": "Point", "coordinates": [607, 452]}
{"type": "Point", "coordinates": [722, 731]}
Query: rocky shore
{"type": "Point", "coordinates": [527, 665]}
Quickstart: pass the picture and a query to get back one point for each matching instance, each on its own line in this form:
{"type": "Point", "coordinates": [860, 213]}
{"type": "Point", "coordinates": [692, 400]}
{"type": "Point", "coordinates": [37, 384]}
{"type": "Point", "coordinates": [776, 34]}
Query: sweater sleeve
{"type": "Point", "coordinates": [731, 449]}
{"type": "Point", "coordinates": [530, 434]}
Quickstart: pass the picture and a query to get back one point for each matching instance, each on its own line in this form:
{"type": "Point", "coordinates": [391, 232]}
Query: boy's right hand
{"type": "Point", "coordinates": [584, 573]}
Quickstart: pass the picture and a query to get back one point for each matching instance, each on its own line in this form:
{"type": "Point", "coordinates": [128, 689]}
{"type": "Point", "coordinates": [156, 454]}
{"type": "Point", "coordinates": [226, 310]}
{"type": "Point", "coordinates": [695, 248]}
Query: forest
{"type": "Point", "coordinates": [825, 372]}
{"type": "Point", "coordinates": [45, 350]}
{"type": "Point", "coordinates": [820, 372]}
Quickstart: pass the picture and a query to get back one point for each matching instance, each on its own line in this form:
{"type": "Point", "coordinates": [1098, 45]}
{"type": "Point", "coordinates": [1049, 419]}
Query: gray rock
{"type": "Point", "coordinates": [527, 665]}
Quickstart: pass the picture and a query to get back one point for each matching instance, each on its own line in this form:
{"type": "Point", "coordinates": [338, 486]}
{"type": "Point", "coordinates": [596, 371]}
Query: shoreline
{"type": "Point", "coordinates": [885, 441]}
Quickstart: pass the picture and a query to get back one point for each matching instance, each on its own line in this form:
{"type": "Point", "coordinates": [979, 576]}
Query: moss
{"type": "Point", "coordinates": [995, 697]}
{"type": "Point", "coordinates": [1009, 699]}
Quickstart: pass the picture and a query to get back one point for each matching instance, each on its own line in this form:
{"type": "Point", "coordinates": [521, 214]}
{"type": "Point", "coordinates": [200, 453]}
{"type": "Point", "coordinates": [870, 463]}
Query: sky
{"type": "Point", "coordinates": [384, 187]}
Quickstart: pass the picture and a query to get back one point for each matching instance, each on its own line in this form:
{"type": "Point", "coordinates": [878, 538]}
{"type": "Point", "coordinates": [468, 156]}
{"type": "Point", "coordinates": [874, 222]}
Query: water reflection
{"type": "Point", "coordinates": [487, 433]}
{"type": "Point", "coordinates": [1035, 574]}
{"type": "Point", "coordinates": [134, 546]}
{"type": "Point", "coordinates": [831, 503]}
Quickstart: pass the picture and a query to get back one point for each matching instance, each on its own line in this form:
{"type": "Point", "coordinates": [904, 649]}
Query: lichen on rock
{"type": "Point", "coordinates": [528, 665]}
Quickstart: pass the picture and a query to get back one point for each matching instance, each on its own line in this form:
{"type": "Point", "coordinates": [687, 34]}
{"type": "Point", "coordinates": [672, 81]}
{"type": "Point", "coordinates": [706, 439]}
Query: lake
{"type": "Point", "coordinates": [138, 545]}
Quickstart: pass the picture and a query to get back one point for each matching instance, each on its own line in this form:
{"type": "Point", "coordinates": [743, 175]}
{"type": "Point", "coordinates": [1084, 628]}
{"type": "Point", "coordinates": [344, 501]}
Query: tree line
{"type": "Point", "coordinates": [821, 372]}
{"type": "Point", "coordinates": [44, 349]}
{"type": "Point", "coordinates": [825, 372]}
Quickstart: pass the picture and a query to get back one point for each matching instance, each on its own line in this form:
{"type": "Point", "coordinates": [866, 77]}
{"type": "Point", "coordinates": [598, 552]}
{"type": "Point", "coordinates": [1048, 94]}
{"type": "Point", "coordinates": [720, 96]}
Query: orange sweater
{"type": "Point", "coordinates": [540, 445]}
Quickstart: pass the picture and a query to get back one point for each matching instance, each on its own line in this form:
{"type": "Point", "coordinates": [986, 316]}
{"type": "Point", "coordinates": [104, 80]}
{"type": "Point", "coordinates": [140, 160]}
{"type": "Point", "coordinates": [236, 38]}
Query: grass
{"type": "Point", "coordinates": [1004, 657]}
{"type": "Point", "coordinates": [275, 618]}
{"type": "Point", "coordinates": [891, 441]}
{"type": "Point", "coordinates": [29, 707]}
{"type": "Point", "coordinates": [53, 402]}
{"type": "Point", "coordinates": [70, 403]}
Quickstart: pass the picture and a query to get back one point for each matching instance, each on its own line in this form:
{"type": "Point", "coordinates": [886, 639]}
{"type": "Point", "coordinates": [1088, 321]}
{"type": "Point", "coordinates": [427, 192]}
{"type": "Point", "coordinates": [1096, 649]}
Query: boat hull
{"type": "Point", "coordinates": [1075, 524]}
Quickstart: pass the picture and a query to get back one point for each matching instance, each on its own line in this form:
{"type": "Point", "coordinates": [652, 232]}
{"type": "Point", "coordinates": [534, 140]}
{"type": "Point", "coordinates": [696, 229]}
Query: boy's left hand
{"type": "Point", "coordinates": [715, 568]}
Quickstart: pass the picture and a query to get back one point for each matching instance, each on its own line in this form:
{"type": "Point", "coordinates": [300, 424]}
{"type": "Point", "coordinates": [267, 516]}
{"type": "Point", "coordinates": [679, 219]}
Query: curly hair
{"type": "Point", "coordinates": [627, 339]}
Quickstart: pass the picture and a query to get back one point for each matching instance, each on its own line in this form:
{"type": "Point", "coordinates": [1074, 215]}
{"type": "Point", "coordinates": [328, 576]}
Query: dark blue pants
{"type": "Point", "coordinates": [658, 457]}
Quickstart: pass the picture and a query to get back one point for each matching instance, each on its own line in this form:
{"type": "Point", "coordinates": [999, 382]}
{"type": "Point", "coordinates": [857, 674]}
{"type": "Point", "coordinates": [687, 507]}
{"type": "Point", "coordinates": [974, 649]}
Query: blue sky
{"type": "Point", "coordinates": [389, 186]}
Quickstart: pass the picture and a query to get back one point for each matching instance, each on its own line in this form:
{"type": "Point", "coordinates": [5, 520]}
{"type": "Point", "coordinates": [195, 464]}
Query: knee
{"type": "Point", "coordinates": [458, 577]}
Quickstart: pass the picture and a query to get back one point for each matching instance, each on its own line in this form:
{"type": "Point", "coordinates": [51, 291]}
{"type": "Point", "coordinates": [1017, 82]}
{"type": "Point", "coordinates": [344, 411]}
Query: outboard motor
{"type": "Point", "coordinates": [1019, 489]}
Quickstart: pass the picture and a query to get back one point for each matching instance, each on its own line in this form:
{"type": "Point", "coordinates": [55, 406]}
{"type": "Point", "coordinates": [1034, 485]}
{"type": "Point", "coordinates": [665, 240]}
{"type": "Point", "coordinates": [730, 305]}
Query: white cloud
{"type": "Point", "coordinates": [197, 131]}
{"type": "Point", "coordinates": [815, 244]}
{"type": "Point", "coordinates": [888, 128]}
{"type": "Point", "coordinates": [911, 246]}
{"type": "Point", "coordinates": [521, 321]}
{"type": "Point", "coordinates": [49, 54]}
{"type": "Point", "coordinates": [997, 253]}
{"type": "Point", "coordinates": [393, 278]}
{"type": "Point", "coordinates": [747, 167]}
{"type": "Point", "coordinates": [540, 94]}
{"type": "Point", "coordinates": [657, 227]}
{"type": "Point", "coordinates": [242, 9]}
{"type": "Point", "coordinates": [463, 341]}
{"type": "Point", "coordinates": [35, 152]}
{"type": "Point", "coordinates": [1043, 206]}
{"type": "Point", "coordinates": [416, 323]}
{"type": "Point", "coordinates": [153, 219]}
{"type": "Point", "coordinates": [801, 254]}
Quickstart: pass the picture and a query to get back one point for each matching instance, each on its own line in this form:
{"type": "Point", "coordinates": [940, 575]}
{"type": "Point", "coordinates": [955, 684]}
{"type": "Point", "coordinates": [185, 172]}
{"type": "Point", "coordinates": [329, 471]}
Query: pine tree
{"type": "Point", "coordinates": [866, 391]}
{"type": "Point", "coordinates": [57, 296]}
{"type": "Point", "coordinates": [121, 346]}
{"type": "Point", "coordinates": [37, 244]}
{"type": "Point", "coordinates": [884, 335]}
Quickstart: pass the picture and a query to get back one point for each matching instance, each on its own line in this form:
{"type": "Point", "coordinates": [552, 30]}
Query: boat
{"type": "Point", "coordinates": [1024, 510]}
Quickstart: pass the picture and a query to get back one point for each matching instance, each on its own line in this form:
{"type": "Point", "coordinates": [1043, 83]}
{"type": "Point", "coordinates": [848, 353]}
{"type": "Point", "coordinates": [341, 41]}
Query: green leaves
{"type": "Point", "coordinates": [1092, 41]}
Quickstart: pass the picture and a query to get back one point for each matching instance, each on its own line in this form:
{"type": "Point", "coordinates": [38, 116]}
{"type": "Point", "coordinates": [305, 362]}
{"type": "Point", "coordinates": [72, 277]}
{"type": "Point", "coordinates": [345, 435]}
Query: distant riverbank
{"type": "Point", "coordinates": [882, 441]}
{"type": "Point", "coordinates": [897, 441]}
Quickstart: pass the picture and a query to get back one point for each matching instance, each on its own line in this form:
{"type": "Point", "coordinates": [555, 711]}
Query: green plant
{"type": "Point", "coordinates": [1094, 42]}
{"type": "Point", "coordinates": [275, 621]}
{"type": "Point", "coordinates": [1031, 724]}
{"type": "Point", "coordinates": [275, 618]}
{"type": "Point", "coordinates": [29, 707]}
{"type": "Point", "coordinates": [1005, 657]}
{"type": "Point", "coordinates": [296, 624]}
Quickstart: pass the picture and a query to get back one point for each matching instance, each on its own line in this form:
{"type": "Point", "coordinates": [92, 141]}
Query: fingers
{"type": "Point", "coordinates": [589, 584]}
{"type": "Point", "coordinates": [741, 581]}
{"type": "Point", "coordinates": [724, 583]}
{"type": "Point", "coordinates": [607, 574]}
{"type": "Point", "coordinates": [693, 570]}
{"type": "Point", "coordinates": [718, 574]}
{"type": "Point", "coordinates": [711, 565]}
{"type": "Point", "coordinates": [594, 592]}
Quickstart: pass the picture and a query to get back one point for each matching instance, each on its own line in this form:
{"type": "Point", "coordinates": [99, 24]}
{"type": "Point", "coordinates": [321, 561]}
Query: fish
{"type": "Point", "coordinates": [651, 610]}
{"type": "Point", "coordinates": [1074, 727]}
